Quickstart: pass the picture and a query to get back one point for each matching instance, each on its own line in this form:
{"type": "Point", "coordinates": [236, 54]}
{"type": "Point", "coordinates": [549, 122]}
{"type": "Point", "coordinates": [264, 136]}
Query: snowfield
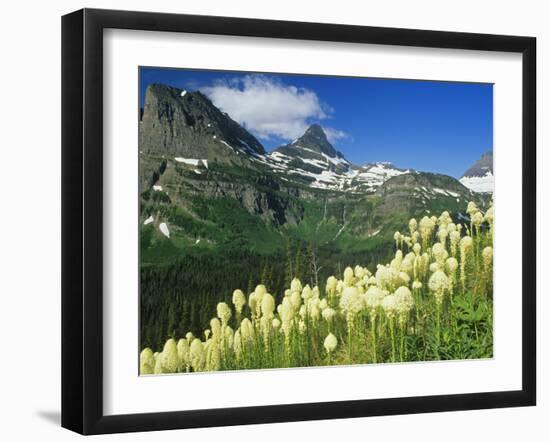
{"type": "Point", "coordinates": [485, 184]}
{"type": "Point", "coordinates": [164, 229]}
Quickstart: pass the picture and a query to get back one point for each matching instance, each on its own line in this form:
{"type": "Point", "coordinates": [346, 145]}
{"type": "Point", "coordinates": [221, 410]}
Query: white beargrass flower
{"type": "Point", "coordinates": [253, 302]}
{"type": "Point", "coordinates": [307, 293]}
{"type": "Point", "coordinates": [442, 234]}
{"type": "Point", "coordinates": [189, 336]}
{"type": "Point", "coordinates": [247, 330]}
{"type": "Point", "coordinates": [490, 216]}
{"type": "Point", "coordinates": [323, 304]}
{"type": "Point", "coordinates": [389, 305]}
{"type": "Point", "coordinates": [471, 208]}
{"type": "Point", "coordinates": [351, 301]}
{"type": "Point", "coordinates": [268, 305]}
{"type": "Point", "coordinates": [296, 300]}
{"type": "Point", "coordinates": [295, 286]}
{"type": "Point", "coordinates": [331, 284]}
{"type": "Point", "coordinates": [348, 276]}
{"type": "Point", "coordinates": [404, 277]}
{"type": "Point", "coordinates": [416, 285]}
{"type": "Point", "coordinates": [454, 238]}
{"type": "Point", "coordinates": [216, 327]}
{"type": "Point", "coordinates": [276, 323]}
{"type": "Point", "coordinates": [440, 253]}
{"type": "Point", "coordinates": [477, 219]}
{"type": "Point", "coordinates": [444, 219]}
{"type": "Point", "coordinates": [330, 342]}
{"type": "Point", "coordinates": [413, 225]}
{"type": "Point", "coordinates": [434, 267]}
{"type": "Point", "coordinates": [426, 227]}
{"type": "Point", "coordinates": [146, 362]}
{"type": "Point", "coordinates": [417, 248]}
{"type": "Point", "coordinates": [260, 291]}
{"type": "Point", "coordinates": [328, 314]}
{"type": "Point", "coordinates": [398, 238]}
{"type": "Point", "coordinates": [224, 312]}
{"type": "Point", "coordinates": [239, 300]}
{"type": "Point", "coordinates": [207, 333]}
{"type": "Point", "coordinates": [439, 285]}
{"type": "Point", "coordinates": [169, 357]}
{"type": "Point", "coordinates": [237, 343]}
{"type": "Point", "coordinates": [373, 298]}
{"type": "Point", "coordinates": [404, 302]}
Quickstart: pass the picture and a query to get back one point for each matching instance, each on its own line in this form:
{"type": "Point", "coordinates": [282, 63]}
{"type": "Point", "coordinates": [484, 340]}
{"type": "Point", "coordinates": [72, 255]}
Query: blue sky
{"type": "Point", "coordinates": [429, 126]}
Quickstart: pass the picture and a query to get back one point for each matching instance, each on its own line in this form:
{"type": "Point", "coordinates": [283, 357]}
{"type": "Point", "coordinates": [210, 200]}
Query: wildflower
{"type": "Point", "coordinates": [389, 305]}
{"type": "Point", "coordinates": [216, 327]}
{"type": "Point", "coordinates": [331, 284]}
{"type": "Point", "coordinates": [454, 238]}
{"type": "Point", "coordinates": [489, 216]}
{"type": "Point", "coordinates": [268, 305]}
{"type": "Point", "coordinates": [169, 357]}
{"type": "Point", "coordinates": [239, 300]}
{"type": "Point", "coordinates": [440, 253]}
{"type": "Point", "coordinates": [439, 285]}
{"type": "Point", "coordinates": [404, 302]}
{"type": "Point", "coordinates": [276, 323]}
{"type": "Point", "coordinates": [348, 276]}
{"type": "Point", "coordinates": [330, 342]}
{"type": "Point", "coordinates": [426, 226]}
{"type": "Point", "coordinates": [416, 285]}
{"type": "Point", "coordinates": [328, 314]}
{"type": "Point", "coordinates": [224, 312]}
{"type": "Point", "coordinates": [471, 208]}
{"type": "Point", "coordinates": [398, 238]}
{"type": "Point", "coordinates": [417, 248]}
{"type": "Point", "coordinates": [247, 330]}
{"type": "Point", "coordinates": [260, 291]}
{"type": "Point", "coordinates": [412, 225]}
{"type": "Point", "coordinates": [146, 362]}
{"type": "Point", "coordinates": [477, 220]}
{"type": "Point", "coordinates": [373, 299]}
{"type": "Point", "coordinates": [296, 286]}
{"type": "Point", "coordinates": [296, 300]}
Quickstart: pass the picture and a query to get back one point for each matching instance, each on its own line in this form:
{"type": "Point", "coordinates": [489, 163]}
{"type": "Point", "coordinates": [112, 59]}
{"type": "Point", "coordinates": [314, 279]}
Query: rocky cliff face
{"type": "Point", "coordinates": [177, 123]}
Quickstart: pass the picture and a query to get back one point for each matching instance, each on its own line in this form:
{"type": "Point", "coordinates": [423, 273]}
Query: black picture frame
{"type": "Point", "coordinates": [82, 218]}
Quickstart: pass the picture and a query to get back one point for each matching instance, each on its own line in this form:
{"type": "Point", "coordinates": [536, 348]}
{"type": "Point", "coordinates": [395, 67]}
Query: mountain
{"type": "Point", "coordinates": [314, 159]}
{"type": "Point", "coordinates": [177, 124]}
{"type": "Point", "coordinates": [209, 185]}
{"type": "Point", "coordinates": [479, 177]}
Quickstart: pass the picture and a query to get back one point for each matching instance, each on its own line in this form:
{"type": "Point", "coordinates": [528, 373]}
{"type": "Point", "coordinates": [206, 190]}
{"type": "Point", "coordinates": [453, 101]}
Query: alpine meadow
{"type": "Point", "coordinates": [297, 221]}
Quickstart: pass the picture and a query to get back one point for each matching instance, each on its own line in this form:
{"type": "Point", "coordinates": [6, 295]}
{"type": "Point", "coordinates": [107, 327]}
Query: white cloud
{"type": "Point", "coordinates": [334, 135]}
{"type": "Point", "coordinates": [269, 108]}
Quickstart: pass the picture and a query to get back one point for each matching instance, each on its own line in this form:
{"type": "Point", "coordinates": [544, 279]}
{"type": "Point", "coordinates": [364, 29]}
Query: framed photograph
{"type": "Point", "coordinates": [270, 221]}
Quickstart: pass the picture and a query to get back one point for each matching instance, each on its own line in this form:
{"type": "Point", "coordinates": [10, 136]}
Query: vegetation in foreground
{"type": "Point", "coordinates": [433, 301]}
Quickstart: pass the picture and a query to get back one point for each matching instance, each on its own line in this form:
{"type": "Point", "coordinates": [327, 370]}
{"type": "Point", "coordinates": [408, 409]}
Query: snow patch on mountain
{"type": "Point", "coordinates": [164, 229]}
{"type": "Point", "coordinates": [484, 184]}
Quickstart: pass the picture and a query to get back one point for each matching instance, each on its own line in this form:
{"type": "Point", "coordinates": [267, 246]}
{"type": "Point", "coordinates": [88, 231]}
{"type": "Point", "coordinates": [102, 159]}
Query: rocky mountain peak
{"type": "Point", "coordinates": [315, 139]}
{"type": "Point", "coordinates": [479, 177]}
{"type": "Point", "coordinates": [481, 167]}
{"type": "Point", "coordinates": [176, 122]}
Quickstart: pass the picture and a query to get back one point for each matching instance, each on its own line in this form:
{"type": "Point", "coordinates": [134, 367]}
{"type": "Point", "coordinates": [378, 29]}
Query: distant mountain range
{"type": "Point", "coordinates": [206, 181]}
{"type": "Point", "coordinates": [479, 177]}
